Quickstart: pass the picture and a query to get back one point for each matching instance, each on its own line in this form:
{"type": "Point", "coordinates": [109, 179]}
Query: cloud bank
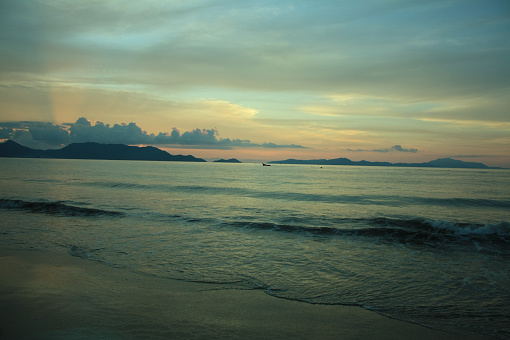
{"type": "Point", "coordinates": [44, 134]}
{"type": "Point", "coordinates": [394, 148]}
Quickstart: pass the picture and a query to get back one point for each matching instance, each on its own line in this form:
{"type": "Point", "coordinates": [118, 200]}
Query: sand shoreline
{"type": "Point", "coordinates": [57, 296]}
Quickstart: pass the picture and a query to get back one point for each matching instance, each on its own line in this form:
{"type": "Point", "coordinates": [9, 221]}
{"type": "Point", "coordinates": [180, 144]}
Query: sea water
{"type": "Point", "coordinates": [430, 246]}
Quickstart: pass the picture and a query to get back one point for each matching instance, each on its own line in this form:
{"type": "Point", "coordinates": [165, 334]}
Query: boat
{"type": "Point", "coordinates": [264, 164]}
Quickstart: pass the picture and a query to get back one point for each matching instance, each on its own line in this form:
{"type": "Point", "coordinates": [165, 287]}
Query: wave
{"type": "Point", "coordinates": [435, 231]}
{"type": "Point", "coordinates": [55, 208]}
{"type": "Point", "coordinates": [463, 202]}
{"type": "Point", "coordinates": [417, 231]}
{"type": "Point", "coordinates": [379, 200]}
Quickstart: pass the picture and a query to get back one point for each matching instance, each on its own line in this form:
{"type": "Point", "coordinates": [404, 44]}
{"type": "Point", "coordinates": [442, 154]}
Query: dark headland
{"type": "Point", "coordinates": [438, 163]}
{"type": "Point", "coordinates": [94, 151]}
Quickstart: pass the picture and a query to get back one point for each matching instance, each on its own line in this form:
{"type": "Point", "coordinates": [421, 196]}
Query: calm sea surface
{"type": "Point", "coordinates": [431, 246]}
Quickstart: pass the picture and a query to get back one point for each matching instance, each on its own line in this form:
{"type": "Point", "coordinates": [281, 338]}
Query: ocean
{"type": "Point", "coordinates": [424, 245]}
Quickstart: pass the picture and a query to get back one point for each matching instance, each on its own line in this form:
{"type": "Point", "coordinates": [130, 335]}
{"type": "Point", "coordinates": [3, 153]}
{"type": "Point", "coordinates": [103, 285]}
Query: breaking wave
{"type": "Point", "coordinates": [419, 231]}
{"type": "Point", "coordinates": [55, 208]}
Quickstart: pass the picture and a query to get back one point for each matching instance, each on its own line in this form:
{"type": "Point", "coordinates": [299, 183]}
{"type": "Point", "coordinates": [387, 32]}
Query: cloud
{"type": "Point", "coordinates": [37, 134]}
{"type": "Point", "coordinates": [273, 145]}
{"type": "Point", "coordinates": [84, 131]}
{"type": "Point", "coordinates": [228, 110]}
{"type": "Point", "coordinates": [371, 46]}
{"type": "Point", "coordinates": [5, 132]}
{"type": "Point", "coordinates": [50, 133]}
{"type": "Point", "coordinates": [399, 148]}
{"type": "Point", "coordinates": [394, 148]}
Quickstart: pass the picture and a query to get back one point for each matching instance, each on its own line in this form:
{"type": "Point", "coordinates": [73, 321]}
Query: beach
{"type": "Point", "coordinates": [46, 295]}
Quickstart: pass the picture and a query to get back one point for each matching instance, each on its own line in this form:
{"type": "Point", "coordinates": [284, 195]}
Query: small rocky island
{"type": "Point", "coordinates": [231, 160]}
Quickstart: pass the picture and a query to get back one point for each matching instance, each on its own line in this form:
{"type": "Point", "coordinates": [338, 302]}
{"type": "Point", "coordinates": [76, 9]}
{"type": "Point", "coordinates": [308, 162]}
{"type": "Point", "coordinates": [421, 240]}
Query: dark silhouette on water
{"type": "Point", "coordinates": [231, 160]}
{"type": "Point", "coordinates": [91, 150]}
{"type": "Point", "coordinates": [95, 151]}
{"type": "Point", "coordinates": [438, 163]}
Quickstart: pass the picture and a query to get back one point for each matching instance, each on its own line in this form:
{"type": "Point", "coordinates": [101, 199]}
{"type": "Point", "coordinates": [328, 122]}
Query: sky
{"type": "Point", "coordinates": [378, 80]}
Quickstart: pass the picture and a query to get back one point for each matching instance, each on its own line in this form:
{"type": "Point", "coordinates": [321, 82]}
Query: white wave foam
{"type": "Point", "coordinates": [500, 229]}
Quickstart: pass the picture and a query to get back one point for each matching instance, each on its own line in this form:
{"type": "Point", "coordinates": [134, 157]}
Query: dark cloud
{"type": "Point", "coordinates": [5, 132]}
{"type": "Point", "coordinates": [37, 134]}
{"type": "Point", "coordinates": [397, 148]}
{"type": "Point", "coordinates": [50, 133]}
{"type": "Point", "coordinates": [84, 131]}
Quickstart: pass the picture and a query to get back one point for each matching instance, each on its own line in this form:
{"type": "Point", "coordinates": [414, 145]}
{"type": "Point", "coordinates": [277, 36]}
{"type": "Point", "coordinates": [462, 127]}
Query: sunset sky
{"type": "Point", "coordinates": [399, 81]}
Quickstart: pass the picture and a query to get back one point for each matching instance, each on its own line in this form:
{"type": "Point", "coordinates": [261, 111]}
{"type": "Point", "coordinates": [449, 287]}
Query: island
{"type": "Point", "coordinates": [438, 163]}
{"type": "Point", "coordinates": [231, 160]}
{"type": "Point", "coordinates": [92, 150]}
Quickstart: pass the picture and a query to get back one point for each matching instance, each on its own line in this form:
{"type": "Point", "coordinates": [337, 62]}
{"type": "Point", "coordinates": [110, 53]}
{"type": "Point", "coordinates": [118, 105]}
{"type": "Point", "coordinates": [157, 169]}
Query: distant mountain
{"type": "Point", "coordinates": [438, 163]}
{"type": "Point", "coordinates": [94, 151]}
{"type": "Point", "coordinates": [454, 163]}
{"type": "Point", "coordinates": [231, 160]}
{"type": "Point", "coordinates": [13, 149]}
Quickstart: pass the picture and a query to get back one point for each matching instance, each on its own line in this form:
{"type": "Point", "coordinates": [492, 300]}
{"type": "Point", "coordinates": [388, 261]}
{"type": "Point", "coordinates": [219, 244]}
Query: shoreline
{"type": "Point", "coordinates": [47, 295]}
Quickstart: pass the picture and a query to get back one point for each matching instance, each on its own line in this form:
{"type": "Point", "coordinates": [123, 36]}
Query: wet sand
{"type": "Point", "coordinates": [58, 296]}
